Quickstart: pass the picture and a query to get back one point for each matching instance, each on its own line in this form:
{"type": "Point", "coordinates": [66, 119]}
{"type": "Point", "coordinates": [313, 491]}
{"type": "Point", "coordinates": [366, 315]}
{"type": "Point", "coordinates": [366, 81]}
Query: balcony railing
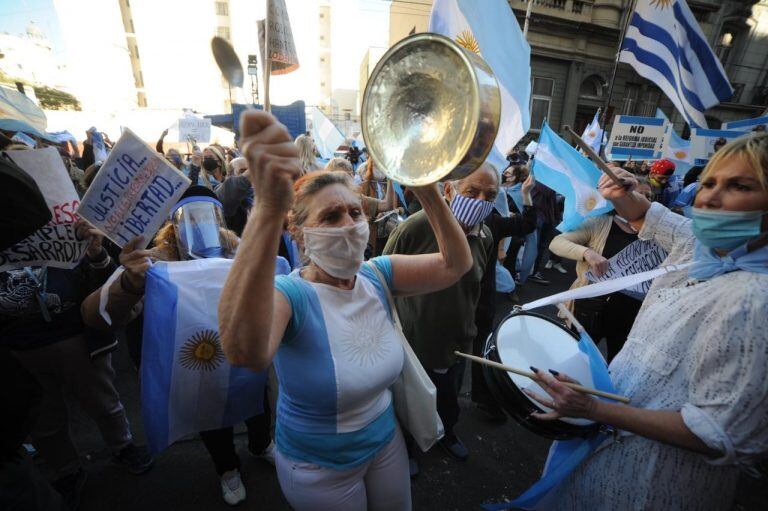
{"type": "Point", "coordinates": [577, 10]}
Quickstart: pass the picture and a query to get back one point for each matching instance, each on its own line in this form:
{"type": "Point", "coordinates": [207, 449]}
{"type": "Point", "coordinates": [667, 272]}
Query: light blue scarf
{"type": "Point", "coordinates": [707, 264]}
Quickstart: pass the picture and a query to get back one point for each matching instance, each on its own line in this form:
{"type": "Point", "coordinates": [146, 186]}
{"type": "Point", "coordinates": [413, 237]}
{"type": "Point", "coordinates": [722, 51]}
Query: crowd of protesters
{"type": "Point", "coordinates": [351, 238]}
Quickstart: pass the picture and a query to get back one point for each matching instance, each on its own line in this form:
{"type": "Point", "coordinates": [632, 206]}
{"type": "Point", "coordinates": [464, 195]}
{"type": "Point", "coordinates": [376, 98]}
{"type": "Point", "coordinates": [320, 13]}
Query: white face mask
{"type": "Point", "coordinates": [339, 251]}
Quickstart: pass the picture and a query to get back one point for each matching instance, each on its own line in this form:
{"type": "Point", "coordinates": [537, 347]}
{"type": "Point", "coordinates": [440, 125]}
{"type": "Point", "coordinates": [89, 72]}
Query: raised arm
{"type": "Point", "coordinates": [252, 316]}
{"type": "Point", "coordinates": [416, 274]}
{"type": "Point", "coordinates": [629, 204]}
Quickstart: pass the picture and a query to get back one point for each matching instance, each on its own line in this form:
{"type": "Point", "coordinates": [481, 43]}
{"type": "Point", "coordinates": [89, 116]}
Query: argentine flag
{"type": "Point", "coordinates": [675, 147]}
{"type": "Point", "coordinates": [665, 44]}
{"type": "Point", "coordinates": [593, 133]}
{"type": "Point", "coordinates": [492, 31]}
{"type": "Point", "coordinates": [187, 385]}
{"type": "Point", "coordinates": [326, 135]}
{"type": "Point", "coordinates": [561, 167]}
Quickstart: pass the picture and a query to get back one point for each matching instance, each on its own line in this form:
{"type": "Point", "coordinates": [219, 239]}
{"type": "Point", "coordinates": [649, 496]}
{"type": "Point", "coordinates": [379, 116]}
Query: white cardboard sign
{"type": "Point", "coordinates": [703, 142]}
{"type": "Point", "coordinates": [133, 192]}
{"type": "Point", "coordinates": [639, 138]}
{"type": "Point", "coordinates": [637, 257]}
{"type": "Point", "coordinates": [56, 243]}
{"type": "Point", "coordinates": [195, 129]}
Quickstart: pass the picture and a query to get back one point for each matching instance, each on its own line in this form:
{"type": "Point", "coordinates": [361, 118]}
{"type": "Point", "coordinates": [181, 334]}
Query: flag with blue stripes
{"type": "Point", "coordinates": [593, 133]}
{"type": "Point", "coordinates": [560, 167]}
{"type": "Point", "coordinates": [494, 33]}
{"type": "Point", "coordinates": [187, 385]}
{"type": "Point", "coordinates": [326, 135]}
{"type": "Point", "coordinates": [675, 147]}
{"type": "Point", "coordinates": [665, 44]}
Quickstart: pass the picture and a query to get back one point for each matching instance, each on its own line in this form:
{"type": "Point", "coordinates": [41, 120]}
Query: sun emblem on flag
{"type": "Point", "coordinates": [363, 340]}
{"type": "Point", "coordinates": [202, 351]}
{"type": "Point", "coordinates": [468, 41]}
{"type": "Point", "coordinates": [661, 4]}
{"type": "Point", "coordinates": [590, 204]}
{"type": "Point", "coordinates": [680, 155]}
{"type": "Point", "coordinates": [592, 134]}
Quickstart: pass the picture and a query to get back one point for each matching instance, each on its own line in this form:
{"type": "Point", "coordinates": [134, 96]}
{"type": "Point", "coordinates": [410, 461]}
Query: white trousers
{"type": "Point", "coordinates": [381, 484]}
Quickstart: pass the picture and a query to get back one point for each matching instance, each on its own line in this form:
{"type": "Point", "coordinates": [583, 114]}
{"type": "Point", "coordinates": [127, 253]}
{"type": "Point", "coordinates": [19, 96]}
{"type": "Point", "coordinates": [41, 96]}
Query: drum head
{"type": "Point", "coordinates": [525, 339]}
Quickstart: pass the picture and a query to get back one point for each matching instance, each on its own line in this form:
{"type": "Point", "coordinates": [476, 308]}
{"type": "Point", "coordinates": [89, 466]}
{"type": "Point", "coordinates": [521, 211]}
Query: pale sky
{"type": "Point", "coordinates": [356, 26]}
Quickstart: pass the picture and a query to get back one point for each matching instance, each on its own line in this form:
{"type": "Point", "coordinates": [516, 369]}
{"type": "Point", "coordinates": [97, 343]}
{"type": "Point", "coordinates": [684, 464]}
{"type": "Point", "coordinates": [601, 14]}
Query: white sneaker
{"type": "Point", "coordinates": [267, 454]}
{"type": "Point", "coordinates": [559, 267]}
{"type": "Point", "coordinates": [548, 266]}
{"type": "Point", "coordinates": [232, 489]}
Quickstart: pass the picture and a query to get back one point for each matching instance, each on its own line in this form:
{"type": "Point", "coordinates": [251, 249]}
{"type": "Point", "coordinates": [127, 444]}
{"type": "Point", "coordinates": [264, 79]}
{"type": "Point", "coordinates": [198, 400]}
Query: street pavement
{"type": "Point", "coordinates": [504, 460]}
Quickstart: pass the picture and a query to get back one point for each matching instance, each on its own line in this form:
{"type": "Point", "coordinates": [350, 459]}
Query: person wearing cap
{"type": "Point", "coordinates": [665, 186]}
{"type": "Point", "coordinates": [195, 230]}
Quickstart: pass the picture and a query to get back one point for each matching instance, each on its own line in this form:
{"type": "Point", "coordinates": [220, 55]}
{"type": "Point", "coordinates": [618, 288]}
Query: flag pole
{"type": "Point", "coordinates": [607, 105]}
{"type": "Point", "coordinates": [267, 64]}
{"type": "Point", "coordinates": [528, 10]}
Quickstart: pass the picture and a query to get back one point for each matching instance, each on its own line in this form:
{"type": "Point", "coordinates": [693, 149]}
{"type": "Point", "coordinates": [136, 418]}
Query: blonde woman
{"type": "Point", "coordinates": [694, 362]}
{"type": "Point", "coordinates": [307, 151]}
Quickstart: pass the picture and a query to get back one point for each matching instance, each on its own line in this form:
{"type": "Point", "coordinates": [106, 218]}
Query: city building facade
{"type": "Point", "coordinates": [573, 51]}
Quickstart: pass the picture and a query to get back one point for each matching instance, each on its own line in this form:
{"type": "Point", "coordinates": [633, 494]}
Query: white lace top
{"type": "Point", "coordinates": [697, 347]}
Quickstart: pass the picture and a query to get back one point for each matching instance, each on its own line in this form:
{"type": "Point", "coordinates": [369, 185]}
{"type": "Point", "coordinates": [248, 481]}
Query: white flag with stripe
{"type": "Point", "coordinates": [665, 44]}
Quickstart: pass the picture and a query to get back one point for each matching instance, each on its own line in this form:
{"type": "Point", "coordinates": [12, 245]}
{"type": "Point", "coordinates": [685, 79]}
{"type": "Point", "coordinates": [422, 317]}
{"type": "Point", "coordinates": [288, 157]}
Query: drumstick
{"type": "Point", "coordinates": [594, 157]}
{"type": "Point", "coordinates": [528, 374]}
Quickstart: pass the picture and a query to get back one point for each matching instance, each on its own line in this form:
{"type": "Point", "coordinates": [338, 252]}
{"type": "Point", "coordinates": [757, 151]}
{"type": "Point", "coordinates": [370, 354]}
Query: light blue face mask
{"type": "Point", "coordinates": [724, 229]}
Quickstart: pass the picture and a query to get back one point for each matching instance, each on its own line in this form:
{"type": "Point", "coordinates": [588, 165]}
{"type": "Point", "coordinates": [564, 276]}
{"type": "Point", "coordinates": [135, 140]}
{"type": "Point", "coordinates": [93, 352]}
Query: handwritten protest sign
{"type": "Point", "coordinates": [640, 138]}
{"type": "Point", "coordinates": [703, 142]}
{"type": "Point", "coordinates": [133, 192]}
{"type": "Point", "coordinates": [637, 257]}
{"type": "Point", "coordinates": [193, 128]}
{"type": "Point", "coordinates": [55, 244]}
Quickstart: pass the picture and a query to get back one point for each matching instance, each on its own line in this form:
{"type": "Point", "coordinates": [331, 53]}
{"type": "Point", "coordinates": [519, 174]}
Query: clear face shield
{"type": "Point", "coordinates": [199, 223]}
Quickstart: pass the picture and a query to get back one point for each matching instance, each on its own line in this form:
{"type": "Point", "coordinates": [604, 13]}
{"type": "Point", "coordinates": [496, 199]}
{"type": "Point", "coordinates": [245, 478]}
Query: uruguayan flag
{"type": "Point", "coordinates": [492, 31]}
{"type": "Point", "coordinates": [326, 135]}
{"type": "Point", "coordinates": [593, 133]}
{"type": "Point", "coordinates": [187, 385]}
{"type": "Point", "coordinates": [561, 167]}
{"type": "Point", "coordinates": [665, 44]}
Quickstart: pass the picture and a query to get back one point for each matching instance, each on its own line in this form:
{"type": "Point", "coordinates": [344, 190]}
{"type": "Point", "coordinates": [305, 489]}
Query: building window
{"type": "Point", "coordinates": [223, 32]}
{"type": "Point", "coordinates": [648, 103]}
{"type": "Point", "coordinates": [322, 84]}
{"type": "Point", "coordinates": [724, 46]}
{"type": "Point", "coordinates": [738, 90]}
{"type": "Point", "coordinates": [541, 101]}
{"type": "Point", "coordinates": [322, 15]}
{"type": "Point", "coordinates": [222, 9]}
{"type": "Point", "coordinates": [322, 59]}
{"type": "Point", "coordinates": [631, 94]}
{"type": "Point", "coordinates": [322, 38]}
{"type": "Point", "coordinates": [347, 116]}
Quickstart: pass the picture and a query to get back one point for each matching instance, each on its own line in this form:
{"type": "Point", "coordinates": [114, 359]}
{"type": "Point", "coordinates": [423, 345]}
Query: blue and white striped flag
{"type": "Point", "coordinates": [675, 147]}
{"type": "Point", "coordinates": [494, 33]}
{"type": "Point", "coordinates": [665, 44]}
{"type": "Point", "coordinates": [187, 385]}
{"type": "Point", "coordinates": [326, 135]}
{"type": "Point", "coordinates": [561, 167]}
{"type": "Point", "coordinates": [593, 133]}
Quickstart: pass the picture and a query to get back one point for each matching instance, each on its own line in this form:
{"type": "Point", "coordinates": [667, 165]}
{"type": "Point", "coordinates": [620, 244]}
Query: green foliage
{"type": "Point", "coordinates": [54, 99]}
{"type": "Point", "coordinates": [50, 98]}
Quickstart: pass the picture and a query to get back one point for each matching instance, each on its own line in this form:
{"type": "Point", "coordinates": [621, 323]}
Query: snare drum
{"type": "Point", "coordinates": [525, 339]}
